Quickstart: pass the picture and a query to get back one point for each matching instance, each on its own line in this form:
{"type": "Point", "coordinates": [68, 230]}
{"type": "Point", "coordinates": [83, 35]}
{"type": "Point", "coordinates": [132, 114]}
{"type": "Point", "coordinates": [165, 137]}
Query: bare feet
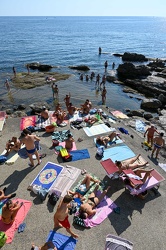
{"type": "Point", "coordinates": [74, 235]}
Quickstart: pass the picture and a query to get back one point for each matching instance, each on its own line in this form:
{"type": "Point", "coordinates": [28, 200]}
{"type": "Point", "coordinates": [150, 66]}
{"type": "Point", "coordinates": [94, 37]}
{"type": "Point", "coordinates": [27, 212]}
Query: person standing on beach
{"type": "Point", "coordinates": [67, 100]}
{"type": "Point", "coordinates": [106, 65]}
{"type": "Point", "coordinates": [159, 142]}
{"type": "Point", "coordinates": [97, 79]}
{"type": "Point", "coordinates": [150, 134]}
{"type": "Point", "coordinates": [61, 215]}
{"type": "Point", "coordinates": [14, 71]}
{"type": "Point", "coordinates": [103, 94]}
{"type": "Point", "coordinates": [7, 85]}
{"type": "Point", "coordinates": [29, 140]}
{"type": "Point", "coordinates": [55, 90]}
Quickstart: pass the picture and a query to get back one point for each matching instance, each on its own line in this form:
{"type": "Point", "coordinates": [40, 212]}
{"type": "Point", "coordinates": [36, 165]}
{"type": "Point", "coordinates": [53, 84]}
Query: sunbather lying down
{"type": "Point", "coordinates": [47, 246]}
{"type": "Point", "coordinates": [138, 176]}
{"type": "Point", "coordinates": [104, 140]}
{"type": "Point", "coordinates": [130, 164]}
{"type": "Point", "coordinates": [87, 209]}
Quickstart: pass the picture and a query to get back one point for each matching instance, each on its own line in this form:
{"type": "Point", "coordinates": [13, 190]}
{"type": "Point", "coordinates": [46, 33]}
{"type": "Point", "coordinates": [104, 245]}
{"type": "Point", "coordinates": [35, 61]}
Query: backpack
{"type": "Point", "coordinates": [3, 238]}
{"type": "Point", "coordinates": [3, 158]}
{"type": "Point", "coordinates": [53, 198]}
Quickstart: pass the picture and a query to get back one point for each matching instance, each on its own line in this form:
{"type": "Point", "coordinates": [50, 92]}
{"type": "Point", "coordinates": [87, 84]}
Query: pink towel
{"type": "Point", "coordinates": [63, 145]}
{"type": "Point", "coordinates": [105, 207]}
{"type": "Point", "coordinates": [27, 121]}
{"type": "Point", "coordinates": [22, 212]}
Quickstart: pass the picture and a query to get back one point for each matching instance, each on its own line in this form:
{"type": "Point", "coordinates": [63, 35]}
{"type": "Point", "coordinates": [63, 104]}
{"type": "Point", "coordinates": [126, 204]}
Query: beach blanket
{"type": "Point", "coordinates": [22, 212]}
{"type": "Point", "coordinates": [119, 153]}
{"type": "Point", "coordinates": [42, 123]}
{"type": "Point", "coordinates": [140, 126]}
{"type": "Point", "coordinates": [163, 166]}
{"type": "Point", "coordinates": [61, 242]}
{"type": "Point", "coordinates": [2, 119]}
{"type": "Point", "coordinates": [119, 114]}
{"type": "Point", "coordinates": [115, 242]}
{"type": "Point", "coordinates": [47, 176]}
{"type": "Point", "coordinates": [98, 129]}
{"type": "Point", "coordinates": [11, 157]}
{"type": "Point", "coordinates": [79, 154]}
{"type": "Point", "coordinates": [105, 207]}
{"type": "Point", "coordinates": [60, 135]}
{"type": "Point", "coordinates": [65, 180]}
{"type": "Point", "coordinates": [114, 142]}
{"type": "Point", "coordinates": [63, 145]}
{"type": "Point", "coordinates": [27, 121]}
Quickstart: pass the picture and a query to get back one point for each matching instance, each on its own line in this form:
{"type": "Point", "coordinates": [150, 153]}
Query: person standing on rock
{"type": "Point", "coordinates": [159, 142]}
{"type": "Point", "coordinates": [150, 134]}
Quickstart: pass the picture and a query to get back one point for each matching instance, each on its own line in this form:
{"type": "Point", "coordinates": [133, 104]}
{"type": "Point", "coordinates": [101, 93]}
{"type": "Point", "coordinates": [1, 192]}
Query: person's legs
{"type": "Point", "coordinates": [101, 197]}
{"type": "Point", "coordinates": [88, 178]}
{"type": "Point", "coordinates": [147, 173]}
{"type": "Point", "coordinates": [112, 136]}
{"type": "Point", "coordinates": [153, 151]}
{"type": "Point", "coordinates": [37, 156]}
{"type": "Point", "coordinates": [31, 159]}
{"type": "Point", "coordinates": [157, 152]}
{"type": "Point", "coordinates": [72, 234]}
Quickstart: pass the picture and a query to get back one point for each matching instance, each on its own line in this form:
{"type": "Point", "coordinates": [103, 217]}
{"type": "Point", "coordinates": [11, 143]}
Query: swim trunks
{"type": "Point", "coordinates": [65, 223]}
{"type": "Point", "coordinates": [157, 146]}
{"type": "Point", "coordinates": [31, 151]}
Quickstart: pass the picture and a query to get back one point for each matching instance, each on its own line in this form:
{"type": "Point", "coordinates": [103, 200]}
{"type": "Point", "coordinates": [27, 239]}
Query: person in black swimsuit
{"type": "Point", "coordinates": [88, 208]}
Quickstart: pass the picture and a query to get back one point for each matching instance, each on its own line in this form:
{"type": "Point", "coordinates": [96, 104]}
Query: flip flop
{"type": "Point", "coordinates": [21, 227]}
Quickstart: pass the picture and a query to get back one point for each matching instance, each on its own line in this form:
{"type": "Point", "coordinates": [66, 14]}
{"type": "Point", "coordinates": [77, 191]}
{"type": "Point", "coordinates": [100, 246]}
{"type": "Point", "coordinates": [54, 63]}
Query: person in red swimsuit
{"type": "Point", "coordinates": [61, 215]}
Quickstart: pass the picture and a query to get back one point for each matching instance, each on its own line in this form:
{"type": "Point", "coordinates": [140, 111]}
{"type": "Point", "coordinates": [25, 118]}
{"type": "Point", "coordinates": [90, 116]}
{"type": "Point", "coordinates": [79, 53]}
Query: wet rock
{"type": "Point", "coordinates": [148, 116]}
{"type": "Point", "coordinates": [9, 111]}
{"type": "Point", "coordinates": [21, 107]}
{"type": "Point", "coordinates": [110, 78]}
{"type": "Point", "coordinates": [117, 54]}
{"type": "Point", "coordinates": [39, 66]}
{"type": "Point", "coordinates": [151, 104]}
{"type": "Point", "coordinates": [37, 107]}
{"type": "Point", "coordinates": [129, 71]}
{"type": "Point", "coordinates": [80, 67]}
{"type": "Point", "coordinates": [134, 57]}
{"type": "Point", "coordinates": [19, 114]}
{"type": "Point", "coordinates": [162, 98]}
{"type": "Point", "coordinates": [138, 112]}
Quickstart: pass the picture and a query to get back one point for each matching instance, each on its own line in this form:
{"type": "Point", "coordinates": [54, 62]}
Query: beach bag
{"type": "Point", "coordinates": [53, 198]}
{"type": "Point", "coordinates": [78, 221]}
{"type": "Point", "coordinates": [100, 152]}
{"type": "Point", "coordinates": [3, 239]}
{"type": "Point", "coordinates": [67, 158]}
{"type": "Point", "coordinates": [3, 158]}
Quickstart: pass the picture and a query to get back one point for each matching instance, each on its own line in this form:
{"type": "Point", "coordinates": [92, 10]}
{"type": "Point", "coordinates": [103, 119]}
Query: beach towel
{"type": "Point", "coordinates": [61, 242]}
{"type": "Point", "coordinates": [12, 228]}
{"type": "Point", "coordinates": [2, 119]}
{"type": "Point", "coordinates": [47, 175]}
{"type": "Point", "coordinates": [62, 144]}
{"type": "Point", "coordinates": [27, 121]}
{"type": "Point", "coordinates": [119, 153]}
{"type": "Point", "coordinates": [79, 154]}
{"type": "Point", "coordinates": [11, 157]}
{"type": "Point", "coordinates": [114, 142]}
{"type": "Point", "coordinates": [119, 114]}
{"type": "Point", "coordinates": [115, 242]}
{"type": "Point", "coordinates": [140, 126]}
{"type": "Point", "coordinates": [65, 180]}
{"type": "Point", "coordinates": [60, 135]}
{"type": "Point", "coordinates": [105, 207]}
{"type": "Point", "coordinates": [98, 129]}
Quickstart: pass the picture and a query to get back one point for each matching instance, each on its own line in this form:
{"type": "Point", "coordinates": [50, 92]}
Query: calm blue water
{"type": "Point", "coordinates": [65, 41]}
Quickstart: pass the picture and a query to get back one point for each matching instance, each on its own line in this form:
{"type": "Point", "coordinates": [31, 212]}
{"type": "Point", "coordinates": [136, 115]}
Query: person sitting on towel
{"type": "Point", "coordinates": [3, 196]}
{"type": "Point", "coordinates": [47, 246]}
{"type": "Point", "coordinates": [104, 140]}
{"type": "Point", "coordinates": [9, 211]}
{"type": "Point", "coordinates": [44, 113]}
{"type": "Point", "coordinates": [13, 145]}
{"type": "Point", "coordinates": [130, 164]}
{"type": "Point", "coordinates": [87, 209]}
{"type": "Point", "coordinates": [69, 142]}
{"type": "Point", "coordinates": [138, 176]}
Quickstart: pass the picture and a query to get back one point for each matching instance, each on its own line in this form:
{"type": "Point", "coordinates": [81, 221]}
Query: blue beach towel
{"type": "Point", "coordinates": [119, 153]}
{"type": "Point", "coordinates": [140, 126]}
{"type": "Point", "coordinates": [48, 175]}
{"type": "Point", "coordinates": [62, 242]}
{"type": "Point", "coordinates": [79, 154]}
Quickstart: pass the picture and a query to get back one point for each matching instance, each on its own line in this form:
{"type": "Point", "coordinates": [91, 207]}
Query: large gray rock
{"type": "Point", "coordinates": [148, 116]}
{"type": "Point", "coordinates": [151, 104]}
{"type": "Point", "coordinates": [162, 98]}
{"type": "Point", "coordinates": [134, 57]}
{"type": "Point", "coordinates": [39, 66]}
{"type": "Point", "coordinates": [129, 71]}
{"type": "Point", "coordinates": [138, 112]}
{"type": "Point", "coordinates": [37, 107]}
{"type": "Point", "coordinates": [80, 67]}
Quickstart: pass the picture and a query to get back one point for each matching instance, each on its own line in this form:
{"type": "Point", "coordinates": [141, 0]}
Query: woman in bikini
{"type": "Point", "coordinates": [9, 211]}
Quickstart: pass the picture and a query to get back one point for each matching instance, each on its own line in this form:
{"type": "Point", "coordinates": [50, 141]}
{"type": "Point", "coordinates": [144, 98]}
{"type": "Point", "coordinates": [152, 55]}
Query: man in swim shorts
{"type": "Point", "coordinates": [150, 134]}
{"type": "Point", "coordinates": [29, 141]}
{"type": "Point", "coordinates": [159, 142]}
{"type": "Point", "coordinates": [61, 215]}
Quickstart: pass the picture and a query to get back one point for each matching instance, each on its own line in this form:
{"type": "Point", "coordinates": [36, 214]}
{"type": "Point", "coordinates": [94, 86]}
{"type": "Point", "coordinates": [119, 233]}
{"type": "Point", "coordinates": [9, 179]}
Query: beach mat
{"type": "Point", "coordinates": [105, 207]}
{"type": "Point", "coordinates": [2, 119]}
{"type": "Point", "coordinates": [63, 145]}
{"type": "Point", "coordinates": [119, 153]}
{"type": "Point", "coordinates": [65, 180]}
{"type": "Point", "coordinates": [11, 228]}
{"type": "Point", "coordinates": [79, 154]}
{"type": "Point", "coordinates": [114, 242]}
{"type": "Point", "coordinates": [27, 121]}
{"type": "Point", "coordinates": [97, 130]}
{"type": "Point", "coordinates": [163, 166]}
{"type": "Point", "coordinates": [47, 175]}
{"type": "Point", "coordinates": [119, 114]}
{"type": "Point", "coordinates": [61, 242]}
{"type": "Point", "coordinates": [140, 126]}
{"type": "Point", "coordinates": [11, 157]}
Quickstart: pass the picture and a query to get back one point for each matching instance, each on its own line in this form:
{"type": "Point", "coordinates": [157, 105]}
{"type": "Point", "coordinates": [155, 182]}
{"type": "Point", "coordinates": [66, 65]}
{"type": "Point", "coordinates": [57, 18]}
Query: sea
{"type": "Point", "coordinates": [67, 41]}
